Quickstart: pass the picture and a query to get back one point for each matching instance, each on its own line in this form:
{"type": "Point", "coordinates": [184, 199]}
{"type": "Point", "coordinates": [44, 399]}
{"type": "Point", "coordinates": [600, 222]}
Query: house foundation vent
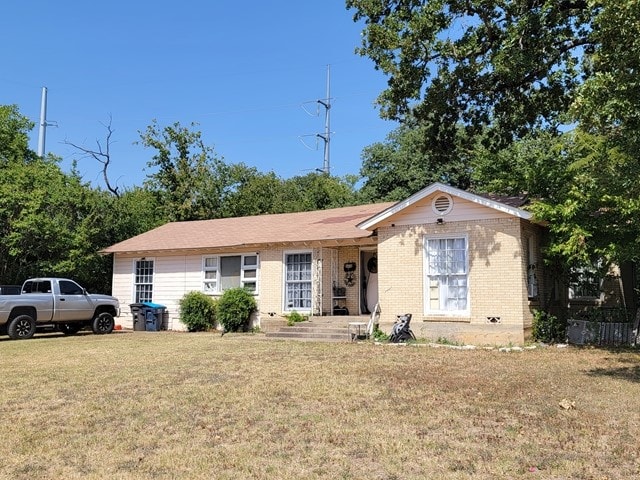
{"type": "Point", "coordinates": [493, 320]}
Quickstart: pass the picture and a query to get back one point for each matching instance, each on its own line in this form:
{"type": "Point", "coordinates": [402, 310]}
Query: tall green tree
{"type": "Point", "coordinates": [608, 102]}
{"type": "Point", "coordinates": [318, 191]}
{"type": "Point", "coordinates": [512, 65]}
{"type": "Point", "coordinates": [48, 221]}
{"type": "Point", "coordinates": [404, 163]}
{"type": "Point", "coordinates": [54, 223]}
{"type": "Point", "coordinates": [14, 136]}
{"type": "Point", "coordinates": [594, 214]}
{"type": "Point", "coordinates": [539, 165]}
{"type": "Point", "coordinates": [189, 179]}
{"type": "Point", "coordinates": [513, 75]}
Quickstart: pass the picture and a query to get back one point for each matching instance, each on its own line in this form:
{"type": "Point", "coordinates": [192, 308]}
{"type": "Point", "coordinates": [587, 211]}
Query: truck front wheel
{"type": "Point", "coordinates": [103, 323]}
{"type": "Point", "coordinates": [21, 327]}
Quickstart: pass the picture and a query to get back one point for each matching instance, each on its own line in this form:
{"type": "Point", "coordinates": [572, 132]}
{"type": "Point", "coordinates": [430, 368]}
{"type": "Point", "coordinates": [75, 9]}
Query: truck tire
{"type": "Point", "coordinates": [21, 327]}
{"type": "Point", "coordinates": [70, 328]}
{"type": "Point", "coordinates": [103, 323]}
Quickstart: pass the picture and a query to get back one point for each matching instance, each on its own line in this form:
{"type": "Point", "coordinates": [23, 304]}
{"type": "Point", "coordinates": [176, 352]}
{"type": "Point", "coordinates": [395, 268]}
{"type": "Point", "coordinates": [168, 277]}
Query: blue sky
{"type": "Point", "coordinates": [242, 70]}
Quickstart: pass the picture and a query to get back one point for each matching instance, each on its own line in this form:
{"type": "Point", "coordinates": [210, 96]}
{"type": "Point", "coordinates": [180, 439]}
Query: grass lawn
{"type": "Point", "coordinates": [179, 405]}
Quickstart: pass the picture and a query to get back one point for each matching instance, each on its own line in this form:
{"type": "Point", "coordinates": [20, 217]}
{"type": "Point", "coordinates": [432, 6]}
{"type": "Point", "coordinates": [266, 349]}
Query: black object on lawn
{"type": "Point", "coordinates": [401, 331]}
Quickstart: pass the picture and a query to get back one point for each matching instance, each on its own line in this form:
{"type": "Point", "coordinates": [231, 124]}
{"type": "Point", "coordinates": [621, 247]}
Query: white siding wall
{"type": "Point", "coordinates": [173, 277]}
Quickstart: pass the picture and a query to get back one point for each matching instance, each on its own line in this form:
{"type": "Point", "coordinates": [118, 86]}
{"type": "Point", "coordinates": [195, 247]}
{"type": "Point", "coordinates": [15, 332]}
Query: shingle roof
{"type": "Point", "coordinates": [517, 201]}
{"type": "Point", "coordinates": [320, 225]}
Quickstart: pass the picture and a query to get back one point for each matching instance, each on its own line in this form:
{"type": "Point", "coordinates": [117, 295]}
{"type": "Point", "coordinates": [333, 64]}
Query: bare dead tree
{"type": "Point", "coordinates": [102, 156]}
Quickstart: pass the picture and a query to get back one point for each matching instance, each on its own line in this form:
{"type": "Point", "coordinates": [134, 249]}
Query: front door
{"type": "Point", "coordinates": [369, 280]}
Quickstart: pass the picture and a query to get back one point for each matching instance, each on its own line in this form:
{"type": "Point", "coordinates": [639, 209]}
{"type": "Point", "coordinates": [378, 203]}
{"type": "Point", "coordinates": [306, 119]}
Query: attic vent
{"type": "Point", "coordinates": [442, 204]}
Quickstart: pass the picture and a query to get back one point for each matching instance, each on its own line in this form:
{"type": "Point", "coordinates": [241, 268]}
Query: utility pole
{"type": "Point", "coordinates": [43, 123]}
{"type": "Point", "coordinates": [326, 103]}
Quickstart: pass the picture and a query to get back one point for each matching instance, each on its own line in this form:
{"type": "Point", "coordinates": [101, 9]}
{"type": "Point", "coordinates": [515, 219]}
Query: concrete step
{"type": "Point", "coordinates": [328, 329]}
{"type": "Point", "coordinates": [310, 336]}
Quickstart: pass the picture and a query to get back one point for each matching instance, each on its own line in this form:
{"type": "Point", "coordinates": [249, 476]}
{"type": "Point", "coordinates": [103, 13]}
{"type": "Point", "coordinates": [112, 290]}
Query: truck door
{"type": "Point", "coordinates": [72, 303]}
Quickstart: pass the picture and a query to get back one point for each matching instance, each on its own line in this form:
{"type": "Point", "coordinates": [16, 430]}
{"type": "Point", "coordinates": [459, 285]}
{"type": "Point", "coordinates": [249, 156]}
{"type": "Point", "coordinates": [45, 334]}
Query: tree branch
{"type": "Point", "coordinates": [104, 157]}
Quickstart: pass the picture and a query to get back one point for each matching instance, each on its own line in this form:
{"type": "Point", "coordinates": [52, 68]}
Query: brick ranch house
{"type": "Point", "coordinates": [467, 267]}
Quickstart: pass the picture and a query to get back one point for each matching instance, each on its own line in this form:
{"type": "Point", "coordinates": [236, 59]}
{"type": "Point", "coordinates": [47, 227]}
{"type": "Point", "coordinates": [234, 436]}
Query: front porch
{"type": "Point", "coordinates": [344, 281]}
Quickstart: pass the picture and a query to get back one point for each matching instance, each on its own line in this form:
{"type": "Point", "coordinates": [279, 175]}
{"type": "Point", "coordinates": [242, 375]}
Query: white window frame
{"type": "Point", "coordinates": [427, 275]}
{"type": "Point", "coordinates": [136, 295]}
{"type": "Point", "coordinates": [244, 268]}
{"type": "Point", "coordinates": [285, 306]}
{"type": "Point", "coordinates": [211, 286]}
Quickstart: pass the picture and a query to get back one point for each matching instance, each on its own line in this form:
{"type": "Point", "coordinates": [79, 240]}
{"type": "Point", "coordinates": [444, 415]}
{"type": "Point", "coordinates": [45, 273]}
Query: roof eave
{"type": "Point", "coordinates": [323, 242]}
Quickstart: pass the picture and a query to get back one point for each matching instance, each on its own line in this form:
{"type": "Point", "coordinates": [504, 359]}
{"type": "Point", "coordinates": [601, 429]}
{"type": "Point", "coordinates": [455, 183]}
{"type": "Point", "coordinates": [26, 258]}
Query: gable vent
{"type": "Point", "coordinates": [442, 204]}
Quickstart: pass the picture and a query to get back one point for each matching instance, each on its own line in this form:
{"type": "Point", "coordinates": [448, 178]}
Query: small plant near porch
{"type": "Point", "coordinates": [295, 317]}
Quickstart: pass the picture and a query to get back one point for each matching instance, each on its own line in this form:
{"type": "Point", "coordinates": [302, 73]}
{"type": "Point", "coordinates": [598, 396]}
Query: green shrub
{"type": "Point", "coordinates": [379, 335]}
{"type": "Point", "coordinates": [198, 311]}
{"type": "Point", "coordinates": [294, 317]}
{"type": "Point", "coordinates": [234, 309]}
{"type": "Point", "coordinates": [548, 328]}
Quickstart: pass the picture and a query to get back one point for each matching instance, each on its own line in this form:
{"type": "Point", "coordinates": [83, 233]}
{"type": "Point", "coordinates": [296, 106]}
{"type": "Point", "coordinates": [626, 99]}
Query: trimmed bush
{"type": "Point", "coordinates": [198, 311]}
{"type": "Point", "coordinates": [234, 309]}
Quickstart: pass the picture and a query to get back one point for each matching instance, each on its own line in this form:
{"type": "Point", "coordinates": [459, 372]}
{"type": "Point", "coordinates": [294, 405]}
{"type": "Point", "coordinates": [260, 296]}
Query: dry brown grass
{"type": "Point", "coordinates": [171, 405]}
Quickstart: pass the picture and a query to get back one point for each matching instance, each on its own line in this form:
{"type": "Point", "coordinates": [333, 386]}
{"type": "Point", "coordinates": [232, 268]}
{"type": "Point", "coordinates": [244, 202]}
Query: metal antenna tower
{"type": "Point", "coordinates": [326, 137]}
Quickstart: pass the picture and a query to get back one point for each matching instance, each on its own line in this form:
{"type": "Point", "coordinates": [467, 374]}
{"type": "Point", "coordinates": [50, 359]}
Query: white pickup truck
{"type": "Point", "coordinates": [59, 303]}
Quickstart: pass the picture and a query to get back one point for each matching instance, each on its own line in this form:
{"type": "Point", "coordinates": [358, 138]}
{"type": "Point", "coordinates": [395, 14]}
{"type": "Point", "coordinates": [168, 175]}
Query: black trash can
{"type": "Point", "coordinates": [153, 315]}
{"type": "Point", "coordinates": [139, 322]}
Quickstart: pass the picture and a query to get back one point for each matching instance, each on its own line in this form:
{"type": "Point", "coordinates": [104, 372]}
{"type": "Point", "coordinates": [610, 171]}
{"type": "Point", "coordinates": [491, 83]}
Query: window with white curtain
{"type": "Point", "coordinates": [297, 281]}
{"type": "Point", "coordinates": [447, 276]}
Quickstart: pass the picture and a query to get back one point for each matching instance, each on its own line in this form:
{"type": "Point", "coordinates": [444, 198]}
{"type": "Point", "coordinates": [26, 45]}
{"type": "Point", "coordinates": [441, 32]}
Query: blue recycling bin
{"type": "Point", "coordinates": [153, 315]}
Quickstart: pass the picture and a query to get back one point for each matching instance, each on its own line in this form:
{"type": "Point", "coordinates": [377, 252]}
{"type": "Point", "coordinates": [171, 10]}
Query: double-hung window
{"type": "Point", "coordinates": [230, 271]}
{"type": "Point", "coordinates": [297, 281]}
{"type": "Point", "coordinates": [143, 281]}
{"type": "Point", "coordinates": [585, 282]}
{"type": "Point", "coordinates": [447, 275]}
{"type": "Point", "coordinates": [210, 282]}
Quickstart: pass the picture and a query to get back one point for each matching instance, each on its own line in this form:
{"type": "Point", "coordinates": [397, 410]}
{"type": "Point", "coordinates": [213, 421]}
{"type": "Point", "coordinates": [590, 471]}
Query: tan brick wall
{"type": "Point", "coordinates": [271, 271]}
{"type": "Point", "coordinates": [497, 280]}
